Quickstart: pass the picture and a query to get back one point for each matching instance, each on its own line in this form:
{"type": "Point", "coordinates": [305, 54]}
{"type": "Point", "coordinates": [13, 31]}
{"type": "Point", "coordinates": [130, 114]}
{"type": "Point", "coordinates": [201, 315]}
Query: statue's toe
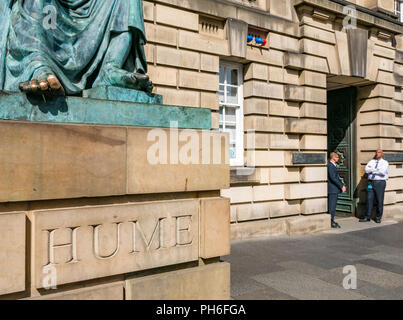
{"type": "Point", "coordinates": [55, 86]}
{"type": "Point", "coordinates": [44, 85]}
{"type": "Point", "coordinates": [54, 83]}
{"type": "Point", "coordinates": [34, 85]}
{"type": "Point", "coordinates": [24, 86]}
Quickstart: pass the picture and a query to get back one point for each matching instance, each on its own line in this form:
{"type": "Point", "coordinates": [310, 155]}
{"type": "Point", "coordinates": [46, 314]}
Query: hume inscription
{"type": "Point", "coordinates": [87, 243]}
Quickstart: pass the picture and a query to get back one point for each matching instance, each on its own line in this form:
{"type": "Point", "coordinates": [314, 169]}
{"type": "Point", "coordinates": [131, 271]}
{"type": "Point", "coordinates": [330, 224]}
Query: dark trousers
{"type": "Point", "coordinates": [332, 204]}
{"type": "Point", "coordinates": [377, 191]}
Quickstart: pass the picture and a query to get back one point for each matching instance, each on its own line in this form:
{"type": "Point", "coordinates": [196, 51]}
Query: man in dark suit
{"type": "Point", "coordinates": [334, 186]}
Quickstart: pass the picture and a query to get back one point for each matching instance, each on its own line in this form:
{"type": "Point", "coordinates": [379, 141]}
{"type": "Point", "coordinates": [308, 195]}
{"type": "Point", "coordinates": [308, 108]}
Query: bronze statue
{"type": "Point", "coordinates": [54, 47]}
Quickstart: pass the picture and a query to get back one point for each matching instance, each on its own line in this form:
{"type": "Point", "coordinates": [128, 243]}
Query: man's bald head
{"type": "Point", "coordinates": [334, 157]}
{"type": "Point", "coordinates": [379, 154]}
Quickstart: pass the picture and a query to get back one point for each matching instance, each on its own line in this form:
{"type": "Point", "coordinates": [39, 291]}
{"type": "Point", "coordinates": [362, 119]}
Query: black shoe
{"type": "Point", "coordinates": [335, 225]}
{"type": "Point", "coordinates": [364, 220]}
{"type": "Point", "coordinates": [378, 221]}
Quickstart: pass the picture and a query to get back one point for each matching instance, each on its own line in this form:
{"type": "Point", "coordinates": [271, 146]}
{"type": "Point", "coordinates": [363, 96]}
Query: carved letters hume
{"type": "Point", "coordinates": [87, 243]}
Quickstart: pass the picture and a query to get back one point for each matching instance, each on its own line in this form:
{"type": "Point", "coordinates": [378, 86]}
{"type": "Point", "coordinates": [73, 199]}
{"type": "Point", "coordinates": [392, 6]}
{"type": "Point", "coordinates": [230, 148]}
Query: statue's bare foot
{"type": "Point", "coordinates": [50, 86]}
{"type": "Point", "coordinates": [139, 81]}
{"type": "Point", "coordinates": [122, 78]}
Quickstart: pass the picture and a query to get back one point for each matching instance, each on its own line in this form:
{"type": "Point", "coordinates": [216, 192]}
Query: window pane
{"type": "Point", "coordinates": [232, 76]}
{"type": "Point", "coordinates": [230, 115]}
{"type": "Point", "coordinates": [232, 151]}
{"type": "Point", "coordinates": [232, 95]}
{"type": "Point", "coordinates": [222, 74]}
{"type": "Point", "coordinates": [221, 94]}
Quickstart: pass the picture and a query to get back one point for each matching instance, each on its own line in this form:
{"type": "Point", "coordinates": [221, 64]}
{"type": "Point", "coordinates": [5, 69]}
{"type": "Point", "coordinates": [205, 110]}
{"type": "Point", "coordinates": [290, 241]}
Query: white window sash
{"type": "Point", "coordinates": [239, 134]}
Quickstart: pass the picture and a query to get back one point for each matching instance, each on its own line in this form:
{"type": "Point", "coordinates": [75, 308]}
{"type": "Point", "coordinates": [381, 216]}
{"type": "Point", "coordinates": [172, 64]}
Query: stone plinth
{"type": "Point", "coordinates": [109, 191]}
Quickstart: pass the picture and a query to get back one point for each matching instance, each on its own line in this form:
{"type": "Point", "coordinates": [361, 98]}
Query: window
{"type": "Point", "coordinates": [399, 9]}
{"type": "Point", "coordinates": [231, 108]}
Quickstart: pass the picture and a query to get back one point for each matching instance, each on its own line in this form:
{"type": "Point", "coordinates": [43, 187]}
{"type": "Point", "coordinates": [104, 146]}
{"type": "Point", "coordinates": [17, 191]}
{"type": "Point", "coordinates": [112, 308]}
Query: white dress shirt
{"type": "Point", "coordinates": [377, 170]}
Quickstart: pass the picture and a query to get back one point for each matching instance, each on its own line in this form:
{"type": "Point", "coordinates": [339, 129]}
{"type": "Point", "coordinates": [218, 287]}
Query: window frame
{"type": "Point", "coordinates": [399, 9]}
{"type": "Point", "coordinates": [239, 111]}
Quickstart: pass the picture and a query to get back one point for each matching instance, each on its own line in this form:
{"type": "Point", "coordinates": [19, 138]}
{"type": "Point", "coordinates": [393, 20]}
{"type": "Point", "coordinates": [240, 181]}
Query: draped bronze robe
{"type": "Point", "coordinates": [72, 43]}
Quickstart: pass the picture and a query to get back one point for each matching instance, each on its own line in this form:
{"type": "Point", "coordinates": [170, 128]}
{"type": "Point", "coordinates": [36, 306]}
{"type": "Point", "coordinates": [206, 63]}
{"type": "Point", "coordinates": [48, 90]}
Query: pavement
{"type": "Point", "coordinates": [311, 266]}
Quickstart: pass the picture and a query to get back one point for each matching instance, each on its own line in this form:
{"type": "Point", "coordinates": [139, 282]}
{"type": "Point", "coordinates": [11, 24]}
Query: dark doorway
{"type": "Point", "coordinates": [341, 108]}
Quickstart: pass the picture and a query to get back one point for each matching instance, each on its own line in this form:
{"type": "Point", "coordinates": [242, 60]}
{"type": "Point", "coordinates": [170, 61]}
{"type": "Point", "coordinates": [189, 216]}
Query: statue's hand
{"type": "Point", "coordinates": [50, 86]}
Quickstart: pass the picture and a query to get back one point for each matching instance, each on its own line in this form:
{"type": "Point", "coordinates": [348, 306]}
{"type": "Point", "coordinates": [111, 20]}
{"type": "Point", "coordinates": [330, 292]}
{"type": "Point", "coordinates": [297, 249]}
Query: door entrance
{"type": "Point", "coordinates": [341, 107]}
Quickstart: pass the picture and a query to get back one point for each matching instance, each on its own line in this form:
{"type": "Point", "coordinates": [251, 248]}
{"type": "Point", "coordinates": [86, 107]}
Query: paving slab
{"type": "Point", "coordinates": [305, 287]}
{"type": "Point", "coordinates": [311, 266]}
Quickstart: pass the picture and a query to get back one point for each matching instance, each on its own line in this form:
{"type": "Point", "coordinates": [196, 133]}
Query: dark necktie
{"type": "Point", "coordinates": [376, 167]}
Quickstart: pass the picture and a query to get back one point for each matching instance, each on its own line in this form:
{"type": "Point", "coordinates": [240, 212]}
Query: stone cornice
{"type": "Point", "coordinates": [227, 9]}
{"type": "Point", "coordinates": [363, 17]}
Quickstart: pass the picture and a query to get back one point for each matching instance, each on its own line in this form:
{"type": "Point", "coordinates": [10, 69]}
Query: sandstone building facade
{"type": "Point", "coordinates": [286, 80]}
{"type": "Point", "coordinates": [328, 76]}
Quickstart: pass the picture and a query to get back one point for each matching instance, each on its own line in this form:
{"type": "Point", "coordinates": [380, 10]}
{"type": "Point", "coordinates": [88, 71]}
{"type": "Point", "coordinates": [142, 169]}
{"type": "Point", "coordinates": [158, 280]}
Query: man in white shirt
{"type": "Point", "coordinates": [378, 173]}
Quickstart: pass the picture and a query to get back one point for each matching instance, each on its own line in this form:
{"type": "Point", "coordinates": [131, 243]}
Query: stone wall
{"type": "Point", "coordinates": [285, 95]}
{"type": "Point", "coordinates": [85, 215]}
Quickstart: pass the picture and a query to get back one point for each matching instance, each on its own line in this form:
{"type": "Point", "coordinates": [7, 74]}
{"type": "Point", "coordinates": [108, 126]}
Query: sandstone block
{"type": "Point", "coordinates": [303, 61]}
{"type": "Point", "coordinates": [390, 197]}
{"type": "Point", "coordinates": [252, 211]}
{"type": "Point", "coordinates": [313, 174]}
{"type": "Point", "coordinates": [151, 152]}
{"type": "Point", "coordinates": [308, 224]}
{"type": "Point", "coordinates": [52, 161]}
{"type": "Point", "coordinates": [161, 35]}
{"type": "Point", "coordinates": [209, 282]}
{"type": "Point", "coordinates": [272, 57]}
{"type": "Point", "coordinates": [374, 91]}
{"type": "Point", "coordinates": [256, 140]}
{"type": "Point", "coordinates": [163, 76]}
{"type": "Point", "coordinates": [268, 193]}
{"type": "Point", "coordinates": [293, 125]}
{"type": "Point", "coordinates": [313, 110]}
{"type": "Point", "coordinates": [311, 32]}
{"type": "Point", "coordinates": [209, 63]}
{"type": "Point", "coordinates": [314, 206]}
{"type": "Point", "coordinates": [305, 191]}
{"type": "Point", "coordinates": [313, 142]}
{"type": "Point", "coordinates": [198, 80]}
{"type": "Point", "coordinates": [284, 208]}
{"type": "Point", "coordinates": [283, 43]}
{"type": "Point", "coordinates": [202, 43]}
{"type": "Point", "coordinates": [177, 58]}
{"type": "Point", "coordinates": [394, 184]}
{"type": "Point", "coordinates": [314, 79]}
{"type": "Point", "coordinates": [186, 98]}
{"type": "Point", "coordinates": [256, 229]}
{"type": "Point", "coordinates": [393, 211]}
{"type": "Point", "coordinates": [264, 124]}
{"type": "Point", "coordinates": [396, 170]}
{"type": "Point", "coordinates": [309, 94]}
{"type": "Point", "coordinates": [12, 252]}
{"type": "Point", "coordinates": [261, 89]}
{"type": "Point", "coordinates": [376, 117]}
{"type": "Point", "coordinates": [149, 51]}
{"type": "Point", "coordinates": [284, 142]}
{"type": "Point", "coordinates": [238, 194]}
{"type": "Point", "coordinates": [78, 244]}
{"type": "Point", "coordinates": [283, 108]}
{"type": "Point", "coordinates": [283, 175]}
{"type": "Point", "coordinates": [256, 71]}
{"type": "Point", "coordinates": [214, 228]}
{"type": "Point", "coordinates": [169, 16]}
{"type": "Point", "coordinates": [265, 158]}
{"type": "Point", "coordinates": [111, 291]}
{"type": "Point", "coordinates": [148, 11]}
{"type": "Point", "coordinates": [209, 100]}
{"type": "Point", "coordinates": [256, 106]}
